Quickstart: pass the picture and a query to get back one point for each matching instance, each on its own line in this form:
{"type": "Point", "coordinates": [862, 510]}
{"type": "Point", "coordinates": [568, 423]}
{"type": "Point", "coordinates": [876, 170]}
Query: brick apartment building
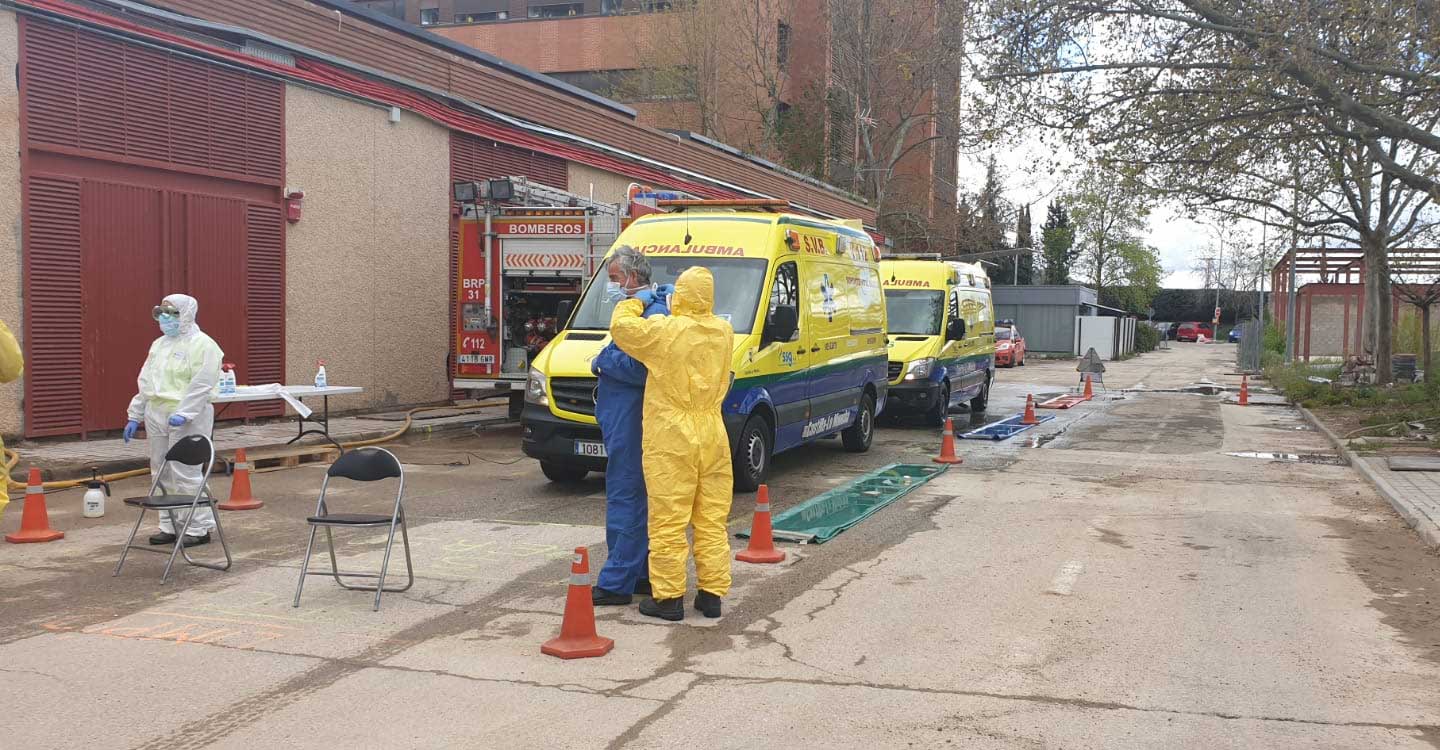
{"type": "Point", "coordinates": [610, 47]}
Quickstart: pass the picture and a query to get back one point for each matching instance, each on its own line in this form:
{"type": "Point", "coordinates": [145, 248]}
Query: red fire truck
{"type": "Point", "coordinates": [526, 252]}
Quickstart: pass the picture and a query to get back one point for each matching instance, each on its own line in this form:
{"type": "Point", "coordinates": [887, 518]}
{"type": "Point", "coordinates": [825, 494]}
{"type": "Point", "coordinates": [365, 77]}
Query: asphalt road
{"type": "Point", "coordinates": [1111, 579]}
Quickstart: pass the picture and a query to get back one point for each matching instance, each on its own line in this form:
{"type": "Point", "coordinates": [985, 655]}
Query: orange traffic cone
{"type": "Point", "coordinates": [35, 520]}
{"type": "Point", "coordinates": [577, 639]}
{"type": "Point", "coordinates": [947, 446]}
{"type": "Point", "coordinates": [1029, 417]}
{"type": "Point", "coordinates": [762, 541]}
{"type": "Point", "coordinates": [1089, 386]}
{"type": "Point", "coordinates": [240, 497]}
{"type": "Point", "coordinates": [1244, 390]}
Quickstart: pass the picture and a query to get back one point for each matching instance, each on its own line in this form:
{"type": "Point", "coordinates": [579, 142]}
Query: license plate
{"type": "Point", "coordinates": [592, 450]}
{"type": "Point", "coordinates": [477, 359]}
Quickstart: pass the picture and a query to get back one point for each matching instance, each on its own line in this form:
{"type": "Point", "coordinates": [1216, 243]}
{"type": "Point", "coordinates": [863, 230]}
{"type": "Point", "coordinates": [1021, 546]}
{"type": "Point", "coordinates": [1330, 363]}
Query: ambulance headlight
{"type": "Point", "coordinates": [919, 369]}
{"type": "Point", "coordinates": [535, 389]}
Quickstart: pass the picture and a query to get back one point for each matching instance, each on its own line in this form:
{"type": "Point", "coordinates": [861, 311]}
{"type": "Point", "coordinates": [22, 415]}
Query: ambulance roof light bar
{"type": "Point", "coordinates": [761, 204]}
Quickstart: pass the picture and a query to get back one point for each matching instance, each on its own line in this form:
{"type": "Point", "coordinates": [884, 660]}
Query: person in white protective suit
{"type": "Point", "coordinates": [180, 376]}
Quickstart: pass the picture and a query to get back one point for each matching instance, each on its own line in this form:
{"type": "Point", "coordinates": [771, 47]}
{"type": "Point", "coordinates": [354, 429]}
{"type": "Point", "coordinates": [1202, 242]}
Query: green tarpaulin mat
{"type": "Point", "coordinates": [820, 518]}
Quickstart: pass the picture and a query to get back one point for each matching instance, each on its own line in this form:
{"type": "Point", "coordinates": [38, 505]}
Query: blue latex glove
{"type": "Point", "coordinates": [130, 428]}
{"type": "Point", "coordinates": [176, 420]}
{"type": "Point", "coordinates": [646, 296]}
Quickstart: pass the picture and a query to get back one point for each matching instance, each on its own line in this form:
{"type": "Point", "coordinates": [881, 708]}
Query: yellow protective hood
{"type": "Point", "coordinates": [694, 293]}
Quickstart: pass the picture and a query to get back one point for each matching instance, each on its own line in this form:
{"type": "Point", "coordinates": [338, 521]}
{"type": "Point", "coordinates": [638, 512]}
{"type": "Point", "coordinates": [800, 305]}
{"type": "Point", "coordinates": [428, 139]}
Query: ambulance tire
{"type": "Point", "coordinates": [937, 414]}
{"type": "Point", "coordinates": [980, 402]}
{"type": "Point", "coordinates": [857, 436]}
{"type": "Point", "coordinates": [561, 474]}
{"type": "Point", "coordinates": [751, 457]}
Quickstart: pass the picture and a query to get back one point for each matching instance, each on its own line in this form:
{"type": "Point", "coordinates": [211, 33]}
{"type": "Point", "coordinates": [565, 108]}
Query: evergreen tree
{"type": "Point", "coordinates": [1058, 238]}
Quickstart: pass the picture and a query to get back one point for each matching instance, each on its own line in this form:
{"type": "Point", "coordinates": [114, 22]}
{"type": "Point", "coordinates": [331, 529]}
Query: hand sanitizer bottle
{"type": "Point", "coordinates": [320, 381]}
{"type": "Point", "coordinates": [227, 379]}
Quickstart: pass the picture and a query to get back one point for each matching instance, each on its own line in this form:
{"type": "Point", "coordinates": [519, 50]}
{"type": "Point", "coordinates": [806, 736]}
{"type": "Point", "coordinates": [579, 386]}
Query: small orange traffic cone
{"type": "Point", "coordinates": [1244, 390]}
{"type": "Point", "coordinates": [947, 446]}
{"type": "Point", "coordinates": [35, 520]}
{"type": "Point", "coordinates": [1089, 386]}
{"type": "Point", "coordinates": [1029, 417]}
{"type": "Point", "coordinates": [577, 639]}
{"type": "Point", "coordinates": [240, 497]}
{"type": "Point", "coordinates": [762, 538]}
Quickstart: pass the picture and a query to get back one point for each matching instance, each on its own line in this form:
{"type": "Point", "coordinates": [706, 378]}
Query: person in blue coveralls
{"type": "Point", "coordinates": [619, 401]}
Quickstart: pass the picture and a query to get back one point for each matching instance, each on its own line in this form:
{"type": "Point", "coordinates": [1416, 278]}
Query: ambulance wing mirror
{"type": "Point", "coordinates": [956, 330]}
{"type": "Point", "coordinates": [563, 310]}
{"type": "Point", "coordinates": [781, 326]}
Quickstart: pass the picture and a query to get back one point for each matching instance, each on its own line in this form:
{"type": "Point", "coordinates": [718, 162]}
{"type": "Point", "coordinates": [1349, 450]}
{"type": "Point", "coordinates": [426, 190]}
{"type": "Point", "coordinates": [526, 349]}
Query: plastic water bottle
{"type": "Point", "coordinates": [227, 379]}
{"type": "Point", "coordinates": [320, 381]}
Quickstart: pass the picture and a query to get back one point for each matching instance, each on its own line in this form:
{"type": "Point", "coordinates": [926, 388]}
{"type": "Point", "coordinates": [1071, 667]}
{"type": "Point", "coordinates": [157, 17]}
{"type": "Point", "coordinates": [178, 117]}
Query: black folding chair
{"type": "Point", "coordinates": [363, 465]}
{"type": "Point", "coordinates": [195, 450]}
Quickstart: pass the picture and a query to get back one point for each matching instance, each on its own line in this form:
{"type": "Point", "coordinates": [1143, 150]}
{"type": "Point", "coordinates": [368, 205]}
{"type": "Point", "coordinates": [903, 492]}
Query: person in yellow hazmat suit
{"type": "Point", "coordinates": [179, 378]}
{"type": "Point", "coordinates": [685, 450]}
{"type": "Point", "coordinates": [12, 364]}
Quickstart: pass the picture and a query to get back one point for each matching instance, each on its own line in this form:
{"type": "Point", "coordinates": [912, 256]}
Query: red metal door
{"type": "Point", "coordinates": [215, 267]}
{"type": "Point", "coordinates": [122, 253]}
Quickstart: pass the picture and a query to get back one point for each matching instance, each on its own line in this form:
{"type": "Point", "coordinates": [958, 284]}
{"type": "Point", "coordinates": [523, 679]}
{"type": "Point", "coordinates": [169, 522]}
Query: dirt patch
{"type": "Point", "coordinates": [1399, 570]}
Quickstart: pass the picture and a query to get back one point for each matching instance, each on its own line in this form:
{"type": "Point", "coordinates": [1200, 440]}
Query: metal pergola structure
{"type": "Point", "coordinates": [1338, 268]}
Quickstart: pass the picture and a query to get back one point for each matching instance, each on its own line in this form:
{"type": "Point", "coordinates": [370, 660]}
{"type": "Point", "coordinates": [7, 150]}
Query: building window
{"type": "Point", "coordinates": [782, 46]}
{"type": "Point", "coordinates": [560, 10]}
{"type": "Point", "coordinates": [656, 6]}
{"type": "Point", "coordinates": [429, 16]}
{"type": "Point", "coordinates": [497, 15]}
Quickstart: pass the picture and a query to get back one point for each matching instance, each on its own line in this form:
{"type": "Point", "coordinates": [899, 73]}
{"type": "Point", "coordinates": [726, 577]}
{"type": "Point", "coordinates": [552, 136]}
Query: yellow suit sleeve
{"type": "Point", "coordinates": [12, 363]}
{"type": "Point", "coordinates": [643, 338]}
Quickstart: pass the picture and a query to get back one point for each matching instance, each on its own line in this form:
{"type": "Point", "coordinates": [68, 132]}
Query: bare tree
{"type": "Point", "coordinates": [1317, 115]}
{"type": "Point", "coordinates": [1417, 282]}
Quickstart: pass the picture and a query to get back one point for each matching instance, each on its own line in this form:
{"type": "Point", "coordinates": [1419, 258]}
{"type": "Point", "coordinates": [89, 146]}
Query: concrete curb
{"type": "Point", "coordinates": [1427, 529]}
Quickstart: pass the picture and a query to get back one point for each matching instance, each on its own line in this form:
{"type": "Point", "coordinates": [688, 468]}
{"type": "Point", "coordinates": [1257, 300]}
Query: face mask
{"type": "Point", "coordinates": [169, 325]}
{"type": "Point", "coordinates": [614, 291]}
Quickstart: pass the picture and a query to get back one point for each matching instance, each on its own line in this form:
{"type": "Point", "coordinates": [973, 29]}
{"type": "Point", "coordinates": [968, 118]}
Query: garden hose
{"type": "Point", "coordinates": [12, 459]}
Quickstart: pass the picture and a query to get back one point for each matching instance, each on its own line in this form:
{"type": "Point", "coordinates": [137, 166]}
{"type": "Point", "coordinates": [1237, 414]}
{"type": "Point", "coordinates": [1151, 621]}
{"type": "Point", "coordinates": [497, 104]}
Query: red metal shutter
{"type": "Point", "coordinates": [265, 302]}
{"type": "Point", "coordinates": [474, 158]}
{"type": "Point", "coordinates": [143, 105]}
{"type": "Point", "coordinates": [54, 320]}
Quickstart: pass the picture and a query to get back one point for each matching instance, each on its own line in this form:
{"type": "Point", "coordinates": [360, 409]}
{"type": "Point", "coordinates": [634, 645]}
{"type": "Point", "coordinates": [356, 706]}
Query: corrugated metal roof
{"type": "Point", "coordinates": [353, 37]}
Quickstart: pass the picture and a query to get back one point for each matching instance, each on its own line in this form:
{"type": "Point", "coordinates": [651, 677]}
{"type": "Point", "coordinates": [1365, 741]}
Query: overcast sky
{"type": "Point", "coordinates": [1178, 238]}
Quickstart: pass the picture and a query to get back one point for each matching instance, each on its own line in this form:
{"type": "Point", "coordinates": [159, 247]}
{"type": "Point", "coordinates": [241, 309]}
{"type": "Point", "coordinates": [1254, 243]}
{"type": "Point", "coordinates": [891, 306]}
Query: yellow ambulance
{"type": "Point", "coordinates": [941, 328]}
{"type": "Point", "coordinates": [805, 300]}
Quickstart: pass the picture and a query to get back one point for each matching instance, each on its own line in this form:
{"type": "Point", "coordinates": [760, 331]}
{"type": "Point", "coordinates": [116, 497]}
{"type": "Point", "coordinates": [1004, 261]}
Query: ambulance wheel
{"type": "Point", "coordinates": [857, 436]}
{"type": "Point", "coordinates": [981, 401]}
{"type": "Point", "coordinates": [751, 457]}
{"type": "Point", "coordinates": [561, 474]}
{"type": "Point", "coordinates": [937, 414]}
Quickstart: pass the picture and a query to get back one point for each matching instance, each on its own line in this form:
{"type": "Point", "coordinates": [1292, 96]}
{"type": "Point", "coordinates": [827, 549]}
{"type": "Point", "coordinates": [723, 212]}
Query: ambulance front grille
{"type": "Point", "coordinates": [895, 368]}
{"type": "Point", "coordinates": [575, 395]}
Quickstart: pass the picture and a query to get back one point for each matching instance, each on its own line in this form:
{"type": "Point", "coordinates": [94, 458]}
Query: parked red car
{"type": "Point", "coordinates": [1192, 332]}
{"type": "Point", "coordinates": [1009, 346]}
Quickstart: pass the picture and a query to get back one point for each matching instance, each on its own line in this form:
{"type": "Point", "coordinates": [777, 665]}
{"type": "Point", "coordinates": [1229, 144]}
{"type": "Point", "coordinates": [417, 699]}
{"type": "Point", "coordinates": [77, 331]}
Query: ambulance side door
{"type": "Point", "coordinates": [781, 365]}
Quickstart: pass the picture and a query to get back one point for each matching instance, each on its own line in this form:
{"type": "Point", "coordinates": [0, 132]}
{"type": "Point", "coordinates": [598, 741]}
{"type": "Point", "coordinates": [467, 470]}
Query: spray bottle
{"type": "Point", "coordinates": [95, 493]}
{"type": "Point", "coordinates": [320, 381]}
{"type": "Point", "coordinates": [227, 379]}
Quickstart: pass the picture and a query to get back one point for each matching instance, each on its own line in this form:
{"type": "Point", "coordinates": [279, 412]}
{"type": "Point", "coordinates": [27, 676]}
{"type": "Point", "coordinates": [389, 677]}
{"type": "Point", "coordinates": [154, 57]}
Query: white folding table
{"type": "Point", "coordinates": [299, 392]}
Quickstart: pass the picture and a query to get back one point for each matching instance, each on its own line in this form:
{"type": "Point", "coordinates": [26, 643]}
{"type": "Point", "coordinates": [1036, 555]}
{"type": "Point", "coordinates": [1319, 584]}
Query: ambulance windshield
{"type": "Point", "coordinates": [737, 290]}
{"type": "Point", "coordinates": [914, 312]}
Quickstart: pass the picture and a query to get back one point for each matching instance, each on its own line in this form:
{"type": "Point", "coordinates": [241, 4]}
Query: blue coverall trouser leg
{"type": "Point", "coordinates": [619, 411]}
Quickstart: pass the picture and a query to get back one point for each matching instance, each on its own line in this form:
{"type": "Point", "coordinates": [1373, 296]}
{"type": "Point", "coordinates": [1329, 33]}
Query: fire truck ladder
{"type": "Point", "coordinates": [604, 217]}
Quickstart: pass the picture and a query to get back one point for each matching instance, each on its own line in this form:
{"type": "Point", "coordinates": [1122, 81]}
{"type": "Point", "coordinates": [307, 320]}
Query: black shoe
{"type": "Point", "coordinates": [665, 609]}
{"type": "Point", "coordinates": [642, 587]}
{"type": "Point", "coordinates": [605, 598]}
{"type": "Point", "coordinates": [162, 538]}
{"type": "Point", "coordinates": [196, 541]}
{"type": "Point", "coordinates": [707, 604]}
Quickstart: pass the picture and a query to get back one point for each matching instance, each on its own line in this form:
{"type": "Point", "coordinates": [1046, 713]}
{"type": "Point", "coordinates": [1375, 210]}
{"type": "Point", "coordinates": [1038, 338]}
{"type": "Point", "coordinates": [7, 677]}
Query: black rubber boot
{"type": "Point", "coordinates": [642, 587]}
{"type": "Point", "coordinates": [707, 604]}
{"type": "Point", "coordinates": [196, 541]}
{"type": "Point", "coordinates": [665, 609]}
{"type": "Point", "coordinates": [162, 538]}
{"type": "Point", "coordinates": [606, 598]}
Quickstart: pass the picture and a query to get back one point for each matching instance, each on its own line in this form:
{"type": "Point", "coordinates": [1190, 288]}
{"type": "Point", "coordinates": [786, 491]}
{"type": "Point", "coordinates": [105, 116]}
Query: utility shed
{"type": "Point", "coordinates": [1046, 314]}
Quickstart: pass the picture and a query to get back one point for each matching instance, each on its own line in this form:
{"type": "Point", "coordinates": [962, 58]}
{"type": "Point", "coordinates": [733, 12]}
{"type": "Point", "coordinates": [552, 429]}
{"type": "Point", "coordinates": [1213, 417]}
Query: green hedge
{"type": "Point", "coordinates": [1147, 339]}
